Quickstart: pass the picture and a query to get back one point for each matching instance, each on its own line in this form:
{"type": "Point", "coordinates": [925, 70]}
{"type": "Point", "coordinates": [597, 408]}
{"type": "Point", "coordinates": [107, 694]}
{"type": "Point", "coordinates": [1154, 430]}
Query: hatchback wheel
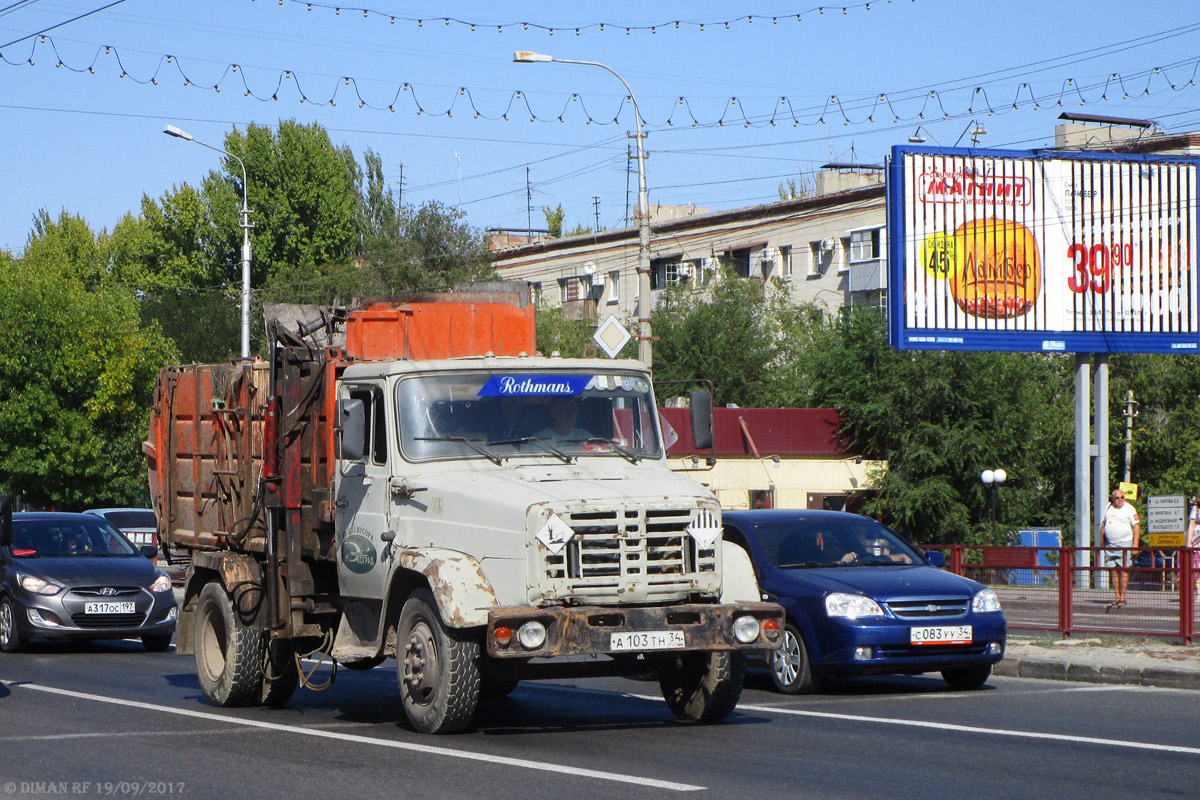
{"type": "Point", "coordinates": [10, 634]}
{"type": "Point", "coordinates": [791, 669]}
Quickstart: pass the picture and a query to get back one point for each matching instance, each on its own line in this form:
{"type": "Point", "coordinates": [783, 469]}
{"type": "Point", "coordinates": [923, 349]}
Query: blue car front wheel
{"type": "Point", "coordinates": [791, 669]}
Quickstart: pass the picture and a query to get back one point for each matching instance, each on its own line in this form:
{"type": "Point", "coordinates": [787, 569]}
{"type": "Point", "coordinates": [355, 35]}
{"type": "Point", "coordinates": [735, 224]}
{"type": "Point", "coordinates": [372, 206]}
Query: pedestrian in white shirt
{"type": "Point", "coordinates": [1120, 530]}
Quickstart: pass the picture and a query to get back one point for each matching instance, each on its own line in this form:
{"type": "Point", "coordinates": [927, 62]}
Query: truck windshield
{"type": "Point", "coordinates": [500, 415]}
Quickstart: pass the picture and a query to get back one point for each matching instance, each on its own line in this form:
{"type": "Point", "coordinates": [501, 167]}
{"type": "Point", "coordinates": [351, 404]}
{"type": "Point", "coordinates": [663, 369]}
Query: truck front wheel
{"type": "Point", "coordinates": [229, 652]}
{"type": "Point", "coordinates": [702, 687]}
{"type": "Point", "coordinates": [437, 668]}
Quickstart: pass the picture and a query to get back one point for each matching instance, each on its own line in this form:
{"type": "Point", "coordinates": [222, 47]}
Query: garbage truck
{"type": "Point", "coordinates": [409, 479]}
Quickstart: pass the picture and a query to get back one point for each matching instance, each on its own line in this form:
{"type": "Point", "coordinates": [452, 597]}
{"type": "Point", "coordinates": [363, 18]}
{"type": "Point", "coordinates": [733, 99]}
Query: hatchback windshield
{"type": "Point", "coordinates": [75, 538]}
{"type": "Point", "coordinates": [497, 415]}
{"type": "Point", "coordinates": [834, 542]}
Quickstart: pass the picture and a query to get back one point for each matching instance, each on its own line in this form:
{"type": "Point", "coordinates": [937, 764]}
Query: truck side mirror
{"type": "Point", "coordinates": [6, 512]}
{"type": "Point", "coordinates": [702, 419]}
{"type": "Point", "coordinates": [351, 436]}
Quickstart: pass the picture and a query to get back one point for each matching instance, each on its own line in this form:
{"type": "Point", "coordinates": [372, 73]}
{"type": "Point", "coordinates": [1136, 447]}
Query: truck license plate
{"type": "Point", "coordinates": [108, 608]}
{"type": "Point", "coordinates": [940, 634]}
{"type": "Point", "coordinates": [646, 640]}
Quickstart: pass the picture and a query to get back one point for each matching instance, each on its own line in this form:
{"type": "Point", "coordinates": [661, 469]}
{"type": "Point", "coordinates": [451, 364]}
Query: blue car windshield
{"type": "Point", "coordinates": [828, 542]}
{"type": "Point", "coordinates": [76, 537]}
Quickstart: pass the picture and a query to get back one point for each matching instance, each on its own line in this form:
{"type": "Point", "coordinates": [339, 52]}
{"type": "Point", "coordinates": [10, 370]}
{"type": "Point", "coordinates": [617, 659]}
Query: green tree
{"type": "Point", "coordinates": [76, 373]}
{"type": "Point", "coordinates": [554, 220]}
{"type": "Point", "coordinates": [940, 418]}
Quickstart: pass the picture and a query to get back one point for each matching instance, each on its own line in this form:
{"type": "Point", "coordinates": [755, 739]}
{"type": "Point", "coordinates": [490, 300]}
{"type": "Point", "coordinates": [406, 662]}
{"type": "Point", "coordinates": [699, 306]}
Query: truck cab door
{"type": "Point", "coordinates": [363, 494]}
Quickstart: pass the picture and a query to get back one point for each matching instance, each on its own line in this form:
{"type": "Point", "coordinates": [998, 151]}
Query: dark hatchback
{"type": "Point", "coordinates": [75, 576]}
{"type": "Point", "coordinates": [861, 600]}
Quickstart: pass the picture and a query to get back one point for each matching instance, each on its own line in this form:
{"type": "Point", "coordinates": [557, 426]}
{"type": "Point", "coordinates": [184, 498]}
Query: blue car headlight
{"type": "Point", "coordinates": [162, 582]}
{"type": "Point", "coordinates": [36, 585]}
{"type": "Point", "coordinates": [840, 604]}
{"type": "Point", "coordinates": [985, 600]}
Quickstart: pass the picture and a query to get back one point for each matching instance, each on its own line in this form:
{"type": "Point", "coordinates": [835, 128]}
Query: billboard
{"type": "Point", "coordinates": [1042, 251]}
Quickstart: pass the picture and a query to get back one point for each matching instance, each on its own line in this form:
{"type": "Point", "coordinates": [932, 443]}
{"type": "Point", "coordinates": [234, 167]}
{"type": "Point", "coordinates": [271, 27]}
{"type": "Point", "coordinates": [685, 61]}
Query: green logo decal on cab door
{"type": "Point", "coordinates": [358, 554]}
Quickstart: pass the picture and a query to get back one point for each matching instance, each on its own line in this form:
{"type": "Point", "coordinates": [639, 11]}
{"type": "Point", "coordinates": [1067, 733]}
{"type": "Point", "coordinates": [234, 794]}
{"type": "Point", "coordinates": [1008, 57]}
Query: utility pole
{"type": "Point", "coordinates": [596, 211]}
{"type": "Point", "coordinates": [528, 205]}
{"type": "Point", "coordinates": [1130, 413]}
{"type": "Point", "coordinates": [400, 184]}
{"type": "Point", "coordinates": [628, 161]}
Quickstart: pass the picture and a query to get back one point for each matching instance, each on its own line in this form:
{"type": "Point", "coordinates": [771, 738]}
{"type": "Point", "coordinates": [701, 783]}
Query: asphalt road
{"type": "Point", "coordinates": [109, 719]}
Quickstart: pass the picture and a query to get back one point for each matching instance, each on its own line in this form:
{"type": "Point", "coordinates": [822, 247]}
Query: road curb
{"type": "Point", "coordinates": [1065, 670]}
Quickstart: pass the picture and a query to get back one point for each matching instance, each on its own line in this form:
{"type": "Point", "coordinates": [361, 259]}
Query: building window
{"type": "Point", "coordinates": [740, 261]}
{"type": "Point", "coordinates": [785, 261]}
{"type": "Point", "coordinates": [568, 289]}
{"type": "Point", "coordinates": [668, 272]}
{"type": "Point", "coordinates": [535, 292]}
{"type": "Point", "coordinates": [612, 287]}
{"type": "Point", "coordinates": [844, 261]}
{"type": "Point", "coordinates": [864, 245]}
{"type": "Point", "coordinates": [815, 258]}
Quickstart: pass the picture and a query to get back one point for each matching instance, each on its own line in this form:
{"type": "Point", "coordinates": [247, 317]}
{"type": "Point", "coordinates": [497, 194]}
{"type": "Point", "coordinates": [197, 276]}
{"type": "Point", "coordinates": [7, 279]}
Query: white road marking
{"type": "Point", "coordinates": [945, 726]}
{"type": "Point", "coordinates": [350, 738]}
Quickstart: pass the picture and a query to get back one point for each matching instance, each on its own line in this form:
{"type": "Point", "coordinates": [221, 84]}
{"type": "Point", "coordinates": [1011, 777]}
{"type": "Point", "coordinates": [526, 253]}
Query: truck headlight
{"type": "Point", "coordinates": [745, 629]}
{"type": "Point", "coordinates": [985, 600]}
{"type": "Point", "coordinates": [532, 635]}
{"type": "Point", "coordinates": [840, 604]}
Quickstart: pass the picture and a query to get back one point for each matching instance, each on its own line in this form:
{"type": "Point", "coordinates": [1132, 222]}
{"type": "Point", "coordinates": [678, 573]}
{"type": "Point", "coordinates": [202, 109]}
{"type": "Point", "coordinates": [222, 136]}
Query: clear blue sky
{"type": "Point", "coordinates": [91, 142]}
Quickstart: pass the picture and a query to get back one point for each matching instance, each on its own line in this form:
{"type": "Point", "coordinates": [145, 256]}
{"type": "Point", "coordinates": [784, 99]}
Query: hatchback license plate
{"type": "Point", "coordinates": [108, 608]}
{"type": "Point", "coordinates": [646, 640]}
{"type": "Point", "coordinates": [940, 634]}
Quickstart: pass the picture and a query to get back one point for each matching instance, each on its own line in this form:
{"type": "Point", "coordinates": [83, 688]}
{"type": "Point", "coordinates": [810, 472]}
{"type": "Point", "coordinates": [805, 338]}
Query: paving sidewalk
{"type": "Point", "coordinates": [1138, 663]}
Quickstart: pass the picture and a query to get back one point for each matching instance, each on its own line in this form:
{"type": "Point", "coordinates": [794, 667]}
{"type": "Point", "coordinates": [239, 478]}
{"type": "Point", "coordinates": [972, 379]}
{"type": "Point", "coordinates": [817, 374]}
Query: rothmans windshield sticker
{"type": "Point", "coordinates": [555, 534]}
{"type": "Point", "coordinates": [704, 529]}
{"type": "Point", "coordinates": [514, 385]}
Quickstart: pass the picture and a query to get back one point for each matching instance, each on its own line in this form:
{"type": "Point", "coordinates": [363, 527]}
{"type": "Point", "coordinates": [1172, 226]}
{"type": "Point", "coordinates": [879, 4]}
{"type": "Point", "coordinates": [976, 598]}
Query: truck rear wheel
{"type": "Point", "coordinates": [229, 653]}
{"type": "Point", "coordinates": [703, 687]}
{"type": "Point", "coordinates": [437, 668]}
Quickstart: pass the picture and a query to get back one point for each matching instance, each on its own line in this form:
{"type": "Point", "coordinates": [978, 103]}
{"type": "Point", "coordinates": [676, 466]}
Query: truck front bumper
{"type": "Point", "coordinates": [610, 630]}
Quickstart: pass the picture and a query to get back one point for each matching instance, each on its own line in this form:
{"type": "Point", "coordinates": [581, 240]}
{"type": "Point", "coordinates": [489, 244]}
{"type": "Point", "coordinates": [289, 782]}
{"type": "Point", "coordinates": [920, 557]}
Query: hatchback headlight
{"type": "Point", "coordinates": [162, 583]}
{"type": "Point", "coordinates": [840, 604]}
{"type": "Point", "coordinates": [985, 600]}
{"type": "Point", "coordinates": [32, 583]}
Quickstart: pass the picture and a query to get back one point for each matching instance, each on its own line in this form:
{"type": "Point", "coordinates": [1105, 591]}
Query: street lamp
{"type": "Point", "coordinates": [179, 133]}
{"type": "Point", "coordinates": [992, 478]}
{"type": "Point", "coordinates": [975, 127]}
{"type": "Point", "coordinates": [643, 268]}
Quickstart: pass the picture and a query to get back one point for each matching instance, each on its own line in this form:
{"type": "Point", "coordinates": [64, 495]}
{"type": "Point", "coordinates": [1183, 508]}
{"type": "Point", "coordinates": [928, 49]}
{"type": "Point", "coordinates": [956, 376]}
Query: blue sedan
{"type": "Point", "coordinates": [861, 600]}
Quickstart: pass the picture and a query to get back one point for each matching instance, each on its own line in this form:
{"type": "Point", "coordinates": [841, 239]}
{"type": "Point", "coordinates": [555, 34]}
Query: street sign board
{"type": "Point", "coordinates": [1166, 520]}
{"type": "Point", "coordinates": [1043, 251]}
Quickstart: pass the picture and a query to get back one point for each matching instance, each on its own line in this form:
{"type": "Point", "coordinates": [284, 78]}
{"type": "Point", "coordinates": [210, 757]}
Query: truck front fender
{"type": "Point", "coordinates": [464, 594]}
{"type": "Point", "coordinates": [738, 583]}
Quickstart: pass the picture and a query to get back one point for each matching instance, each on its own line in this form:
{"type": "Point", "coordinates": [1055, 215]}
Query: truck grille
{"type": "Point", "coordinates": [629, 555]}
{"type": "Point", "coordinates": [929, 607]}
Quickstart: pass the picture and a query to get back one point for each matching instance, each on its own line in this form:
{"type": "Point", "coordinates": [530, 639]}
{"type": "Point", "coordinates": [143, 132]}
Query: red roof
{"type": "Point", "coordinates": [774, 431]}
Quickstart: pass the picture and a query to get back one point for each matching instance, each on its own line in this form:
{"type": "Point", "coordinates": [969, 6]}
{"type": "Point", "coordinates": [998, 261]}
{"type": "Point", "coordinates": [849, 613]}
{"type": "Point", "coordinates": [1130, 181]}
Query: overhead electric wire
{"type": "Point", "coordinates": [62, 24]}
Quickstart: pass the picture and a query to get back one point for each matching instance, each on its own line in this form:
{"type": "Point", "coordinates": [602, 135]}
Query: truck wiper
{"type": "Point", "coordinates": [539, 441]}
{"type": "Point", "coordinates": [474, 444]}
{"type": "Point", "coordinates": [629, 454]}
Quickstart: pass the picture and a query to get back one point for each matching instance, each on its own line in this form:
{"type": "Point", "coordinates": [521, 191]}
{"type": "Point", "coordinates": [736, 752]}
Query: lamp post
{"type": "Point", "coordinates": [178, 133]}
{"type": "Point", "coordinates": [975, 127]}
{"type": "Point", "coordinates": [992, 478]}
{"type": "Point", "coordinates": [643, 269]}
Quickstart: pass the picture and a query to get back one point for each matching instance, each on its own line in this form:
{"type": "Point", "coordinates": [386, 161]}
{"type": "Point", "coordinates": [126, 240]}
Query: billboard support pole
{"type": "Point", "coordinates": [1100, 487]}
{"type": "Point", "coordinates": [1083, 517]}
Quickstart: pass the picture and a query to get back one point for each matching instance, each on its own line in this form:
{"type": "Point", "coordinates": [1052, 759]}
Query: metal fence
{"type": "Point", "coordinates": [1068, 590]}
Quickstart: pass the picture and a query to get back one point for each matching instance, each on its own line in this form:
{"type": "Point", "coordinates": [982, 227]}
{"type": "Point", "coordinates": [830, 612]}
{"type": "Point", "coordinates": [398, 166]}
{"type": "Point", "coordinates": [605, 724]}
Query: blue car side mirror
{"type": "Point", "coordinates": [148, 550]}
{"type": "Point", "coordinates": [935, 558]}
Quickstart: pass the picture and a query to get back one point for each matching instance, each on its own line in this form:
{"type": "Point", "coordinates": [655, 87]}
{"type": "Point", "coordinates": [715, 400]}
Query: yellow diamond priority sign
{"type": "Point", "coordinates": [611, 336]}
